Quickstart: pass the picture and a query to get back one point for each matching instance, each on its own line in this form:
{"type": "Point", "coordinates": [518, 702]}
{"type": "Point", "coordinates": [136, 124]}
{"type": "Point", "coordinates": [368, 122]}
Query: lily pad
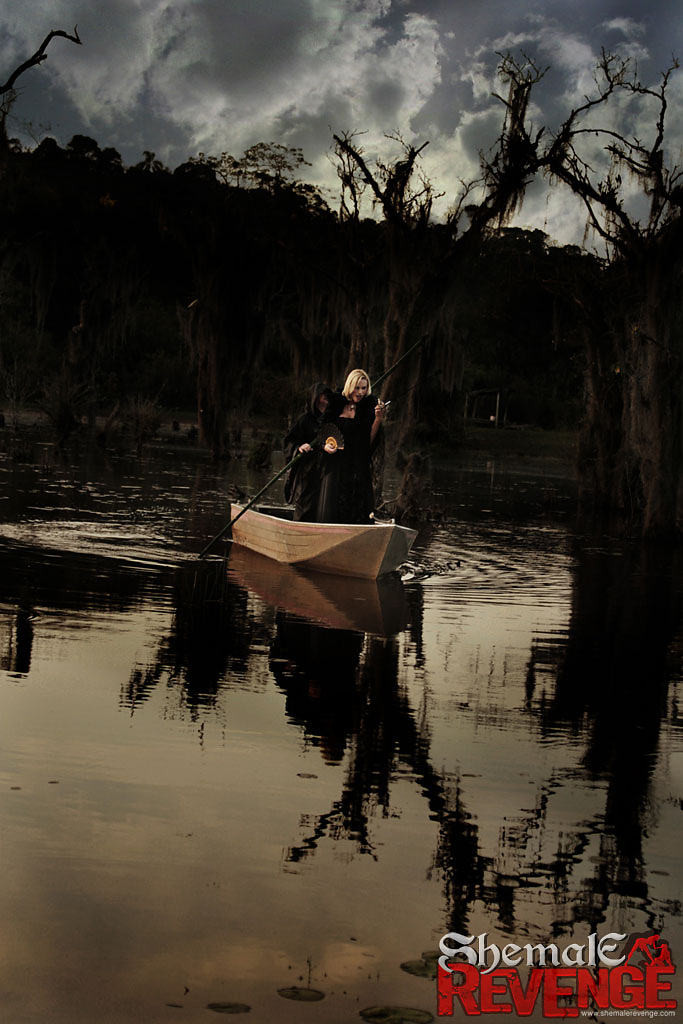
{"type": "Point", "coordinates": [302, 995]}
{"type": "Point", "coordinates": [228, 1007]}
{"type": "Point", "coordinates": [396, 1015]}
{"type": "Point", "coordinates": [420, 969]}
{"type": "Point", "coordinates": [424, 968]}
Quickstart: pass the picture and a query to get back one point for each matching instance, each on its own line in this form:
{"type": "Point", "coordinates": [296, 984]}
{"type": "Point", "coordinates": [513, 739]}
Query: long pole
{"type": "Point", "coordinates": [405, 355]}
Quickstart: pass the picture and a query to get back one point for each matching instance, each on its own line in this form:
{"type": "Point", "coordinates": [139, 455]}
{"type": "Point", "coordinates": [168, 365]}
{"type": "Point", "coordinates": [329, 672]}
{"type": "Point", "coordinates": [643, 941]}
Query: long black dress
{"type": "Point", "coordinates": [346, 494]}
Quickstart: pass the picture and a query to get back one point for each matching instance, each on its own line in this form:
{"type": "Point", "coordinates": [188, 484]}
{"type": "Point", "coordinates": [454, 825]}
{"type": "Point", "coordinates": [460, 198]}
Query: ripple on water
{"type": "Point", "coordinates": [104, 539]}
{"type": "Point", "coordinates": [529, 566]}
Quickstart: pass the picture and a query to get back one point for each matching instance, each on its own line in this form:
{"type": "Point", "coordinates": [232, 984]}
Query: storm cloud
{"type": "Point", "coordinates": [180, 77]}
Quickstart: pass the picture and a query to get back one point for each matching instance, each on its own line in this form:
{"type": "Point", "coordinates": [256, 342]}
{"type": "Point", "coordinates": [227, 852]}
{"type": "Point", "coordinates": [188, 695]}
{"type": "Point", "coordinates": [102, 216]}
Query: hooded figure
{"type": "Point", "coordinates": [303, 481]}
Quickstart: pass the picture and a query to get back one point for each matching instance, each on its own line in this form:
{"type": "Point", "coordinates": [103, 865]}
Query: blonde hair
{"type": "Point", "coordinates": [352, 382]}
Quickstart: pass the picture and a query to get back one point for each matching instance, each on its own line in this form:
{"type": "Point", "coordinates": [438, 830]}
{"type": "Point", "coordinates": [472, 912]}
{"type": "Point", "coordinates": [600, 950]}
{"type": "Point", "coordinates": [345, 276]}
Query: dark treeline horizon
{"type": "Point", "coordinates": [231, 292]}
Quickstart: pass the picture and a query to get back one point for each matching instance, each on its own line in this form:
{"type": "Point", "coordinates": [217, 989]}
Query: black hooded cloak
{"type": "Point", "coordinates": [303, 481]}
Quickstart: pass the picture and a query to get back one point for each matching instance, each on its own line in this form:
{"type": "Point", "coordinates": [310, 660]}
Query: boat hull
{"type": "Point", "coordinates": [343, 549]}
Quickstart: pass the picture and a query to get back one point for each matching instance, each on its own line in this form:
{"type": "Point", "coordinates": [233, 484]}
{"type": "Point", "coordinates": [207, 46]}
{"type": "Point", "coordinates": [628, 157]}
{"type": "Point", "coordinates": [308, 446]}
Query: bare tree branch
{"type": "Point", "coordinates": [39, 56]}
{"type": "Point", "coordinates": [355, 154]}
{"type": "Point", "coordinates": [520, 154]}
{"type": "Point", "coordinates": [391, 186]}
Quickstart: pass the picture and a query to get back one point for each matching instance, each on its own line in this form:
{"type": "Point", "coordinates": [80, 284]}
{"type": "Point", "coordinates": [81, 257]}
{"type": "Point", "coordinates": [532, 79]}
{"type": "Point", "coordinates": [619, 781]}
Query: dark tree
{"type": "Point", "coordinates": [631, 315]}
{"type": "Point", "coordinates": [405, 197]}
{"type": "Point", "coordinates": [7, 91]}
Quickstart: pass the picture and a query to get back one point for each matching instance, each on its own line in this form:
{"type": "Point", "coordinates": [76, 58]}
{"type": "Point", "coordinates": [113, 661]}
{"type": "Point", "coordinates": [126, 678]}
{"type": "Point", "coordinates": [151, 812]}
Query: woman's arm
{"type": "Point", "coordinates": [377, 422]}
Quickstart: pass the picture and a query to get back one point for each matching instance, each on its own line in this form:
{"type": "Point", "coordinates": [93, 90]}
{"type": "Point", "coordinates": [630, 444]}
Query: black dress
{"type": "Point", "coordinates": [346, 494]}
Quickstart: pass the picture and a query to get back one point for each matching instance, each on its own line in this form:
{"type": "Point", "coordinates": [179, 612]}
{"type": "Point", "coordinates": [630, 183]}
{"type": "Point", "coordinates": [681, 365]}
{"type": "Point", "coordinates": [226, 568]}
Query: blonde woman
{"type": "Point", "coordinates": [346, 483]}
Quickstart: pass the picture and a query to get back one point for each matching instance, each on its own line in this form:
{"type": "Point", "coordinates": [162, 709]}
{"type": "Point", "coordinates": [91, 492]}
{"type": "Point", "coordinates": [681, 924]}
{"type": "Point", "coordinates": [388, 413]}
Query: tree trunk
{"type": "Point", "coordinates": [653, 399]}
{"type": "Point", "coordinates": [631, 446]}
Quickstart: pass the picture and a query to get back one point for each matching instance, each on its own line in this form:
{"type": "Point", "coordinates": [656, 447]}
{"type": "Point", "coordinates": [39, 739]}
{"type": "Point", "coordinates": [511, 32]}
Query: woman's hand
{"type": "Point", "coordinates": [305, 447]}
{"type": "Point", "coordinates": [330, 447]}
{"type": "Point", "coordinates": [380, 411]}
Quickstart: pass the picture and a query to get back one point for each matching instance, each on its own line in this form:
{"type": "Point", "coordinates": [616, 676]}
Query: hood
{"type": "Point", "coordinates": [318, 389]}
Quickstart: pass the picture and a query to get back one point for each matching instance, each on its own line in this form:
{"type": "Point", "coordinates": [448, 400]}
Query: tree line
{"type": "Point", "coordinates": [123, 281]}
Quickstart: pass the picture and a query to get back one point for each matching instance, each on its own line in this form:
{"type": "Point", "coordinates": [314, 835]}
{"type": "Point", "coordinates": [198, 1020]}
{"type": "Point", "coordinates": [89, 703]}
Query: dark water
{"type": "Point", "coordinates": [218, 782]}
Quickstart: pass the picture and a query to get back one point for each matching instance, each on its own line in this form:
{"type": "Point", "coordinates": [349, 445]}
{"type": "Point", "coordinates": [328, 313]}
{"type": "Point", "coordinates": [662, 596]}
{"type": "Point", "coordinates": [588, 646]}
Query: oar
{"type": "Point", "coordinates": [398, 361]}
{"type": "Point", "coordinates": [412, 387]}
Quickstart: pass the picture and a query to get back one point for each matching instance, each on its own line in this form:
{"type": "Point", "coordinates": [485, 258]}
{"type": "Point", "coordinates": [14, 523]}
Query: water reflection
{"type": "Point", "coordinates": [209, 637]}
{"type": "Point", "coordinates": [603, 687]}
{"type": "Point", "coordinates": [346, 695]}
{"type": "Point", "coordinates": [19, 645]}
{"type": "Point", "coordinates": [612, 682]}
{"type": "Point", "coordinates": [491, 746]}
{"type": "Point", "coordinates": [374, 713]}
{"type": "Point", "coordinates": [35, 579]}
{"type": "Point", "coordinates": [316, 669]}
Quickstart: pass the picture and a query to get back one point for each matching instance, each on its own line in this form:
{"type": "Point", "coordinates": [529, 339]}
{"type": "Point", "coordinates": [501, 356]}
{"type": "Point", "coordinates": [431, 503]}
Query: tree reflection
{"type": "Point", "coordinates": [44, 579]}
{"type": "Point", "coordinates": [612, 680]}
{"type": "Point", "coordinates": [210, 635]}
{"type": "Point", "coordinates": [372, 732]}
{"type": "Point", "coordinates": [607, 682]}
{"type": "Point", "coordinates": [17, 655]}
{"type": "Point", "coordinates": [365, 712]}
{"type": "Point", "coordinates": [38, 582]}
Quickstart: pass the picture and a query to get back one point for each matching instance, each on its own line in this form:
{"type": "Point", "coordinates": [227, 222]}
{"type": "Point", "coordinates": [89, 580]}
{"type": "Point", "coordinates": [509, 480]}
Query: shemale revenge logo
{"type": "Point", "coordinates": [613, 972]}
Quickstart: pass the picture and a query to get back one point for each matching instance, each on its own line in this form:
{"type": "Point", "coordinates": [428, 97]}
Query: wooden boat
{"type": "Point", "coordinates": [343, 549]}
{"type": "Point", "coordinates": [378, 607]}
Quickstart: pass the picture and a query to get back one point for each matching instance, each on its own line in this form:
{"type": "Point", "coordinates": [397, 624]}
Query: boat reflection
{"type": "Point", "coordinates": [377, 607]}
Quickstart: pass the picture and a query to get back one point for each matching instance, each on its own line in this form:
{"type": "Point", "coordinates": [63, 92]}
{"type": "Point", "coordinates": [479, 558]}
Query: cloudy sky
{"type": "Point", "coordinates": [182, 76]}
